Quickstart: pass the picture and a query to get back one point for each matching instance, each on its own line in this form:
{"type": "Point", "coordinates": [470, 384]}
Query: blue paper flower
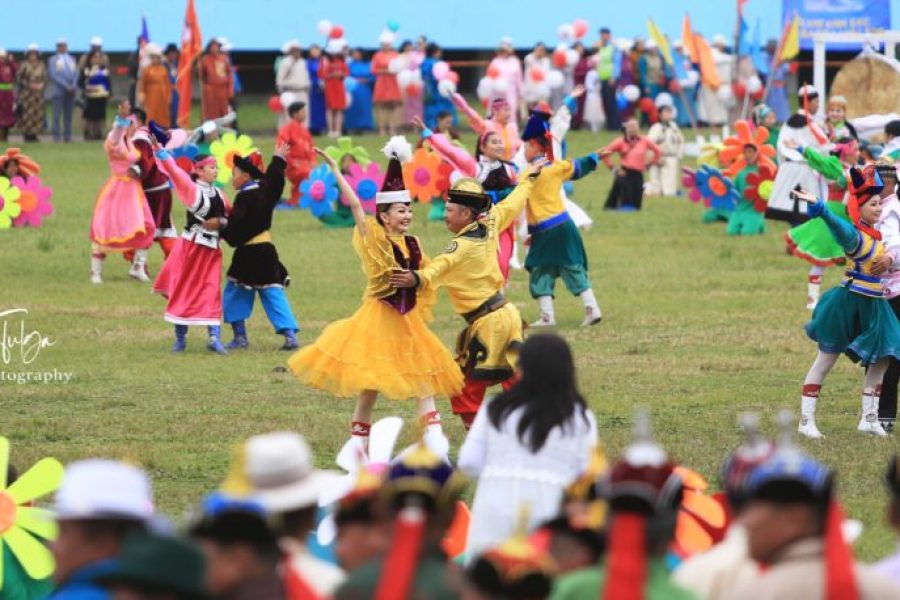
{"type": "Point", "coordinates": [319, 192]}
{"type": "Point", "coordinates": [716, 189]}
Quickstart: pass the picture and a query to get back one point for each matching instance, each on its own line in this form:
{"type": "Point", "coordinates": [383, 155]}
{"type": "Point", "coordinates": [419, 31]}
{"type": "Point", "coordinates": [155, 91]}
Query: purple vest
{"type": "Point", "coordinates": [404, 300]}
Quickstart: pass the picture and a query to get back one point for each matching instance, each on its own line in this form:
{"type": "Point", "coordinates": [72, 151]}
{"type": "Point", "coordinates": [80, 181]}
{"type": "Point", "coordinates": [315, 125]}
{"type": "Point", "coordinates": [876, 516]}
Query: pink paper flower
{"type": "Point", "coordinates": [365, 182]}
{"type": "Point", "coordinates": [34, 200]}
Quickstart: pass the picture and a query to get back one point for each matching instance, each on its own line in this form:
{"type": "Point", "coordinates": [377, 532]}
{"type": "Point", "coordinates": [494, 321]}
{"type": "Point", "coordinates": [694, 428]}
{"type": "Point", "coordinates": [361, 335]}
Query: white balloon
{"type": "Point", "coordinates": [555, 79]}
{"type": "Point", "coordinates": [543, 90]}
{"type": "Point", "coordinates": [725, 93]}
{"type": "Point", "coordinates": [446, 88]}
{"type": "Point", "coordinates": [287, 98]}
{"type": "Point", "coordinates": [324, 27]}
{"type": "Point", "coordinates": [397, 64]}
{"type": "Point", "coordinates": [415, 76]}
{"type": "Point", "coordinates": [663, 99]}
{"type": "Point", "coordinates": [500, 86]}
{"type": "Point", "coordinates": [754, 84]}
{"type": "Point", "coordinates": [631, 92]}
{"type": "Point", "coordinates": [571, 57]}
{"type": "Point", "coordinates": [404, 78]}
{"type": "Point", "coordinates": [565, 31]}
{"type": "Point", "coordinates": [485, 88]}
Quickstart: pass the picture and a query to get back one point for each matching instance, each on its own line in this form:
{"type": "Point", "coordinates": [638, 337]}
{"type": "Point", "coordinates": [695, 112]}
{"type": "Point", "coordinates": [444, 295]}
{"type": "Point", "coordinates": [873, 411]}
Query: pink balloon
{"type": "Point", "coordinates": [337, 32]}
{"type": "Point", "coordinates": [580, 26]}
{"type": "Point", "coordinates": [440, 69]}
{"type": "Point", "coordinates": [452, 76]}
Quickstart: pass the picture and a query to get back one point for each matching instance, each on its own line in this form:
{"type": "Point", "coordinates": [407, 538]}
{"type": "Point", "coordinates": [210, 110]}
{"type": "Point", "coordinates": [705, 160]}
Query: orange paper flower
{"type": "Point", "coordinates": [422, 175]}
{"type": "Point", "coordinates": [731, 155]}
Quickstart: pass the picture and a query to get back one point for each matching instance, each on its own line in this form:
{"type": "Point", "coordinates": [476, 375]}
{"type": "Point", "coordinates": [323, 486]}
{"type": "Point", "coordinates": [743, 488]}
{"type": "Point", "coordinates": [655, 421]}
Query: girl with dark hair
{"type": "Point", "coordinates": [386, 347]}
{"type": "Point", "coordinates": [527, 444]}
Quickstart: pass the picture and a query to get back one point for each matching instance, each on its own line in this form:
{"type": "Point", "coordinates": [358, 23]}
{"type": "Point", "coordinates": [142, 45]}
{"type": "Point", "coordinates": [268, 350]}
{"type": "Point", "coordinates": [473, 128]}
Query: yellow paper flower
{"type": "Point", "coordinates": [226, 148]}
{"type": "Point", "coordinates": [9, 203]}
{"type": "Point", "coordinates": [20, 524]}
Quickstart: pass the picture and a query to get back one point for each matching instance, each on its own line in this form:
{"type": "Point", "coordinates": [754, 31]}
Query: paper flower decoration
{"type": "Point", "coordinates": [366, 183]}
{"type": "Point", "coordinates": [759, 187]}
{"type": "Point", "coordinates": [689, 181]}
{"type": "Point", "coordinates": [701, 519]}
{"type": "Point", "coordinates": [21, 524]}
{"type": "Point", "coordinates": [422, 175]}
{"type": "Point", "coordinates": [319, 191]}
{"type": "Point", "coordinates": [443, 183]}
{"type": "Point", "coordinates": [34, 199]}
{"type": "Point", "coordinates": [716, 189]}
{"type": "Point", "coordinates": [9, 203]}
{"type": "Point", "coordinates": [709, 155]}
{"type": "Point", "coordinates": [731, 155]}
{"type": "Point", "coordinates": [26, 165]}
{"type": "Point", "coordinates": [344, 147]}
{"type": "Point", "coordinates": [226, 148]}
{"type": "Point", "coordinates": [184, 156]}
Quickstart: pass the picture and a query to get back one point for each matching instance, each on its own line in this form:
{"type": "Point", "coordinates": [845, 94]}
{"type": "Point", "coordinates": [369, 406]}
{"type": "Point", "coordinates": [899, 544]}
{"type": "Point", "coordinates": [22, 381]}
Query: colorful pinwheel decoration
{"type": "Point", "coordinates": [21, 525]}
{"type": "Point", "coordinates": [701, 519]}
{"type": "Point", "coordinates": [184, 156]}
{"type": "Point", "coordinates": [422, 175]}
{"type": "Point", "coordinates": [759, 187]}
{"type": "Point", "coordinates": [9, 203]}
{"type": "Point", "coordinates": [319, 191]}
{"type": "Point", "coordinates": [34, 199]}
{"type": "Point", "coordinates": [731, 155]}
{"type": "Point", "coordinates": [344, 148]}
{"type": "Point", "coordinates": [27, 165]}
{"type": "Point", "coordinates": [717, 190]}
{"type": "Point", "coordinates": [226, 148]}
{"type": "Point", "coordinates": [366, 183]}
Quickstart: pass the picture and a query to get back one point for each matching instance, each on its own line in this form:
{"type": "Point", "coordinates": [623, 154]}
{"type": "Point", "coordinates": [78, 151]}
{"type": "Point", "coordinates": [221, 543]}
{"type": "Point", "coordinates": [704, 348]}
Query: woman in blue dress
{"type": "Point", "coordinates": [316, 92]}
{"type": "Point", "coordinates": [434, 102]}
{"type": "Point", "coordinates": [358, 116]}
{"type": "Point", "coordinates": [777, 98]}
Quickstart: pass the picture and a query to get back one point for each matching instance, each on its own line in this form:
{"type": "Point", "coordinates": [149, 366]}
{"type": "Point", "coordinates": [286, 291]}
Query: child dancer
{"type": "Point", "coordinates": [627, 191]}
{"type": "Point", "coordinates": [255, 267]}
{"type": "Point", "coordinates": [556, 246]}
{"type": "Point", "coordinates": [191, 278]}
{"type": "Point", "coordinates": [500, 120]}
{"type": "Point", "coordinates": [122, 219]}
{"type": "Point", "coordinates": [386, 346]}
{"type": "Point", "coordinates": [812, 241]}
{"type": "Point", "coordinates": [497, 176]}
{"type": "Point", "coordinates": [664, 175]}
{"type": "Point", "coordinates": [889, 269]}
{"type": "Point", "coordinates": [301, 158]}
{"type": "Point", "coordinates": [852, 318]}
{"type": "Point", "coordinates": [837, 126]}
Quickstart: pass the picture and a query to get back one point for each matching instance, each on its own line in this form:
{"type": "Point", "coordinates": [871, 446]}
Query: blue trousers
{"type": "Point", "coordinates": [62, 109]}
{"type": "Point", "coordinates": [237, 304]}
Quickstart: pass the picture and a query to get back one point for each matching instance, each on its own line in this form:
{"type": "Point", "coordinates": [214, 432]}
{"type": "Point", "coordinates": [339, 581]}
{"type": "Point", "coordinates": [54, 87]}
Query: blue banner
{"type": "Point", "coordinates": [837, 16]}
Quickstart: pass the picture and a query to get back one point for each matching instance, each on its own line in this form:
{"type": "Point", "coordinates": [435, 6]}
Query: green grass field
{"type": "Point", "coordinates": [697, 326]}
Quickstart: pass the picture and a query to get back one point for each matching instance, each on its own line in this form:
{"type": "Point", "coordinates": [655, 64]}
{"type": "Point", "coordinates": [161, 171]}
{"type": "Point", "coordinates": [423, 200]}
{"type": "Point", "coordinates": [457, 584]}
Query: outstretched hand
{"type": "Point", "coordinates": [326, 158]}
{"type": "Point", "coordinates": [281, 149]}
{"type": "Point", "coordinates": [403, 279]}
{"type": "Point", "coordinates": [124, 109]}
{"type": "Point", "coordinates": [578, 91]}
{"type": "Point", "coordinates": [534, 169]}
{"type": "Point", "coordinates": [418, 122]}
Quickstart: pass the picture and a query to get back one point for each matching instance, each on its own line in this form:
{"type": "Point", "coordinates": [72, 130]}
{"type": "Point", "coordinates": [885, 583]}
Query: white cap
{"type": "Point", "coordinates": [335, 46]}
{"type": "Point", "coordinates": [61, 40]}
{"type": "Point", "coordinates": [719, 39]}
{"type": "Point", "coordinates": [226, 44]}
{"type": "Point", "coordinates": [807, 90]}
{"type": "Point", "coordinates": [2, 52]}
{"type": "Point", "coordinates": [650, 44]}
{"type": "Point", "coordinates": [96, 41]}
{"type": "Point", "coordinates": [208, 127]}
{"type": "Point", "coordinates": [506, 42]}
{"type": "Point", "coordinates": [387, 37]}
{"type": "Point", "coordinates": [104, 489]}
{"type": "Point", "coordinates": [624, 44]}
{"type": "Point", "coordinates": [678, 43]}
{"type": "Point", "coordinates": [279, 466]}
{"type": "Point", "coordinates": [32, 47]}
{"type": "Point", "coordinates": [152, 49]}
{"type": "Point", "coordinates": [290, 45]}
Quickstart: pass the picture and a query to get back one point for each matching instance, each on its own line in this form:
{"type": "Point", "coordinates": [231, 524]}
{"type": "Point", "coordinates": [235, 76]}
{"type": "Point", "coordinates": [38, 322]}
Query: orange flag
{"type": "Point", "coordinates": [687, 39]}
{"type": "Point", "coordinates": [708, 73]}
{"type": "Point", "coordinates": [191, 45]}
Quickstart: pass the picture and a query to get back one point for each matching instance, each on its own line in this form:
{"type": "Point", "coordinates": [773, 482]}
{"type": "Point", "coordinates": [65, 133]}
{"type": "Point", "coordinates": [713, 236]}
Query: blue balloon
{"type": "Point", "coordinates": [393, 25]}
{"type": "Point", "coordinates": [621, 100]}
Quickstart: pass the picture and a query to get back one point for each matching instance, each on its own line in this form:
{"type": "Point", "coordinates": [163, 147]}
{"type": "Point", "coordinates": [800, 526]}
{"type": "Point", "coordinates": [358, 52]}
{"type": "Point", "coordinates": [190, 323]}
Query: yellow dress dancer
{"type": "Point", "coordinates": [386, 346]}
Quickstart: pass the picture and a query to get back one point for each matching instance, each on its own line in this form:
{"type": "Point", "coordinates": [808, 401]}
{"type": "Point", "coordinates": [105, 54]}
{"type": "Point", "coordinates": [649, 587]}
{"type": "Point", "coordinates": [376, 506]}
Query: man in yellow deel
{"type": "Point", "coordinates": [487, 348]}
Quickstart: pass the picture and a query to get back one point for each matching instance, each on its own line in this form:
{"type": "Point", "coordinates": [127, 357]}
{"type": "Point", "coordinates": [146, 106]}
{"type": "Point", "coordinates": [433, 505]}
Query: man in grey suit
{"type": "Point", "coordinates": [61, 91]}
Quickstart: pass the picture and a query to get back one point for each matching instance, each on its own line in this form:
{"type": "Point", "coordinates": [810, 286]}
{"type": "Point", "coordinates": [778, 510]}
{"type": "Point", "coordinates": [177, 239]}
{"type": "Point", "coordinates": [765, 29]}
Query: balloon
{"type": "Point", "coordinates": [754, 84]}
{"type": "Point", "coordinates": [559, 58]}
{"type": "Point", "coordinates": [404, 78]}
{"type": "Point", "coordinates": [413, 91]}
{"type": "Point", "coordinates": [536, 74]}
{"type": "Point", "coordinates": [758, 95]}
{"type": "Point", "coordinates": [415, 76]}
{"type": "Point", "coordinates": [275, 104]}
{"type": "Point", "coordinates": [485, 86]}
{"type": "Point", "coordinates": [452, 76]}
{"type": "Point", "coordinates": [500, 86]}
{"type": "Point", "coordinates": [555, 79]}
{"type": "Point", "coordinates": [565, 32]}
{"type": "Point", "coordinates": [324, 27]}
{"type": "Point", "coordinates": [440, 69]}
{"type": "Point", "coordinates": [580, 27]}
{"type": "Point", "coordinates": [621, 100]}
{"type": "Point", "coordinates": [397, 64]}
{"type": "Point", "coordinates": [739, 89]}
{"type": "Point", "coordinates": [663, 99]}
{"type": "Point", "coordinates": [493, 72]}
{"type": "Point", "coordinates": [446, 87]}
{"type": "Point", "coordinates": [725, 93]}
{"type": "Point", "coordinates": [571, 57]}
{"type": "Point", "coordinates": [543, 90]}
{"type": "Point", "coordinates": [631, 92]}
{"type": "Point", "coordinates": [675, 86]}
{"type": "Point", "coordinates": [645, 105]}
{"type": "Point", "coordinates": [336, 33]}
{"type": "Point", "coordinates": [393, 25]}
{"type": "Point", "coordinates": [286, 99]}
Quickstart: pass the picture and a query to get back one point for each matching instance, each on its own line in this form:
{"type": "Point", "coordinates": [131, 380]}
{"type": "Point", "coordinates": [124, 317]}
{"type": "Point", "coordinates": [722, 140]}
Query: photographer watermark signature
{"type": "Point", "coordinates": [21, 345]}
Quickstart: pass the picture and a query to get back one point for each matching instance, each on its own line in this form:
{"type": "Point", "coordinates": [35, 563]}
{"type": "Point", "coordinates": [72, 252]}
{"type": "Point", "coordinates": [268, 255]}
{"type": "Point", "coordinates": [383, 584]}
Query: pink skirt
{"type": "Point", "coordinates": [191, 279]}
{"type": "Point", "coordinates": [122, 219]}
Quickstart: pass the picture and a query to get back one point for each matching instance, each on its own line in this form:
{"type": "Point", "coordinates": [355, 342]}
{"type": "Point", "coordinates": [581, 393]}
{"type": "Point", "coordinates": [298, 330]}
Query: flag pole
{"type": "Point", "coordinates": [776, 59]}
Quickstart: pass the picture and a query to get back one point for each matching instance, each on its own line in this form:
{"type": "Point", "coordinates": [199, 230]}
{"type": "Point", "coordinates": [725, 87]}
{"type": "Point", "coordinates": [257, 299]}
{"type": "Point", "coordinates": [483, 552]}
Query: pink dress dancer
{"type": "Point", "coordinates": [496, 176]}
{"type": "Point", "coordinates": [509, 68]}
{"type": "Point", "coordinates": [500, 121]}
{"type": "Point", "coordinates": [191, 278]}
{"type": "Point", "coordinates": [122, 220]}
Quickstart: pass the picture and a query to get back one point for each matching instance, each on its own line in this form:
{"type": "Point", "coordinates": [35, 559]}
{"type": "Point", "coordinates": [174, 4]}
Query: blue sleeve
{"type": "Point", "coordinates": [617, 63]}
{"type": "Point", "coordinates": [571, 104]}
{"type": "Point", "coordinates": [843, 232]}
{"type": "Point", "coordinates": [584, 165]}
